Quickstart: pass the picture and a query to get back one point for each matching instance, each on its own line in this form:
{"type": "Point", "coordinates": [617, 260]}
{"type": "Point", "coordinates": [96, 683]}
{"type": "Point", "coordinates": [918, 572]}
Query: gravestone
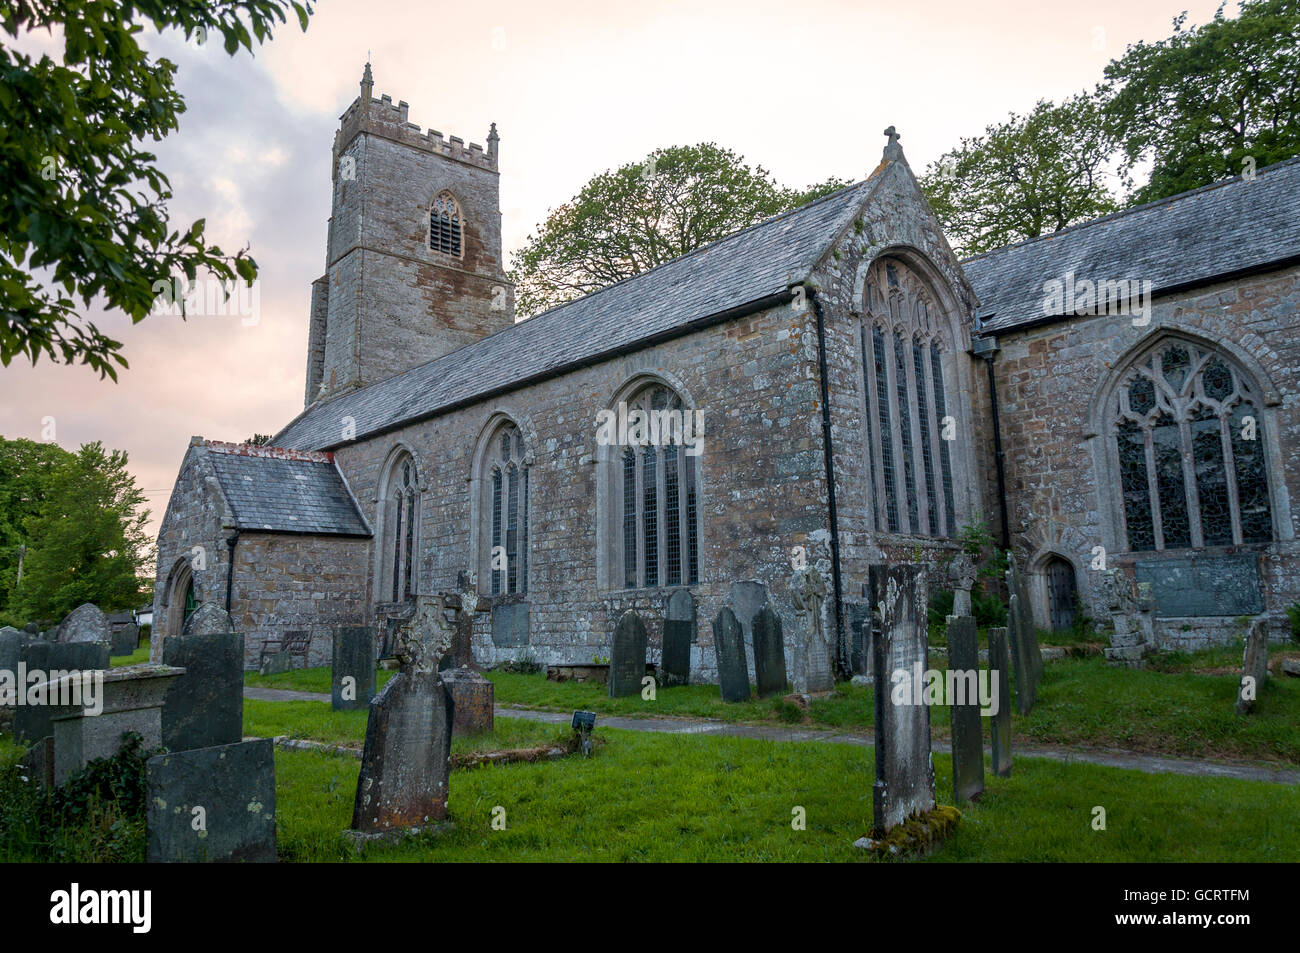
{"type": "Point", "coordinates": [352, 668]}
{"type": "Point", "coordinates": [962, 575]}
{"type": "Point", "coordinates": [861, 628]}
{"type": "Point", "coordinates": [679, 633]}
{"type": "Point", "coordinates": [813, 665]}
{"type": "Point", "coordinates": [747, 598]}
{"type": "Point", "coordinates": [11, 643]}
{"type": "Point", "coordinates": [126, 639]}
{"type": "Point", "coordinates": [31, 628]}
{"type": "Point", "coordinates": [472, 698]}
{"type": "Point", "coordinates": [1000, 721]}
{"type": "Point", "coordinates": [466, 604]}
{"type": "Point", "coordinates": [208, 618]}
{"type": "Point", "coordinates": [1132, 636]}
{"type": "Point", "coordinates": [904, 768]}
{"type": "Point", "coordinates": [277, 663]}
{"type": "Point", "coordinates": [205, 706]}
{"type": "Point", "coordinates": [627, 659]}
{"type": "Point", "coordinates": [967, 729]}
{"type": "Point", "coordinates": [86, 623]}
{"type": "Point", "coordinates": [769, 653]}
{"type": "Point", "coordinates": [406, 762]}
{"type": "Point", "coordinates": [129, 698]}
{"type": "Point", "coordinates": [52, 660]}
{"type": "Point", "coordinates": [1018, 586]}
{"type": "Point", "coordinates": [729, 646]}
{"type": "Point", "coordinates": [1254, 667]}
{"type": "Point", "coordinates": [228, 789]}
{"type": "Point", "coordinates": [1026, 683]}
{"type": "Point", "coordinates": [510, 624]}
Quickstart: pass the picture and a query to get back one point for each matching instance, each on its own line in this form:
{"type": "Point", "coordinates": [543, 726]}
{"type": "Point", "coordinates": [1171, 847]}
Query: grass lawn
{"type": "Point", "coordinates": [649, 797]}
{"type": "Point", "coordinates": [305, 679]}
{"type": "Point", "coordinates": [138, 657]}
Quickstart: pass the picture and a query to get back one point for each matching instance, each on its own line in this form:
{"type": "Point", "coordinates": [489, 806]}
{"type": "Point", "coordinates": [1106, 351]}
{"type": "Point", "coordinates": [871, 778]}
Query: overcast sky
{"type": "Point", "coordinates": [802, 88]}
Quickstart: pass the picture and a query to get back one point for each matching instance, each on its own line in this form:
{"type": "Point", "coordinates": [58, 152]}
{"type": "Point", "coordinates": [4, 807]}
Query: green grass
{"type": "Point", "coordinates": [646, 797]}
{"type": "Point", "coordinates": [305, 679]}
{"type": "Point", "coordinates": [138, 657]}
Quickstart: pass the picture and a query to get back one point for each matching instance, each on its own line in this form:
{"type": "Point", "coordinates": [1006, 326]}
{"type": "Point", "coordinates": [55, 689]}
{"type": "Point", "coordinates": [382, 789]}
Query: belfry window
{"type": "Point", "coordinates": [445, 225]}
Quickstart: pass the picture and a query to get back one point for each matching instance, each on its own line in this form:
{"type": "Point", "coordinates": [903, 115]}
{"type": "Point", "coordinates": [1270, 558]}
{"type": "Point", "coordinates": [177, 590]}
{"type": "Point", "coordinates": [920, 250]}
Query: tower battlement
{"type": "Point", "coordinates": [383, 117]}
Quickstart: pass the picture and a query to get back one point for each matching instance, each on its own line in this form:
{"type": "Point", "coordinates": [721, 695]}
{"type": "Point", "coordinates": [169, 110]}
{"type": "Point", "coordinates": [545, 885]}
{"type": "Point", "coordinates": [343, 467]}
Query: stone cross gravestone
{"type": "Point", "coordinates": [627, 659]}
{"type": "Point", "coordinates": [813, 668]}
{"type": "Point", "coordinates": [1000, 727]}
{"type": "Point", "coordinates": [1131, 619]}
{"type": "Point", "coordinates": [86, 623]}
{"type": "Point", "coordinates": [1254, 667]}
{"type": "Point", "coordinates": [1026, 683]}
{"type": "Point", "coordinates": [52, 660]}
{"type": "Point", "coordinates": [679, 633]}
{"type": "Point", "coordinates": [205, 706]}
{"type": "Point", "coordinates": [729, 646]}
{"type": "Point", "coordinates": [352, 668]}
{"type": "Point", "coordinates": [407, 757]}
{"type": "Point", "coordinates": [967, 729]}
{"type": "Point", "coordinates": [962, 575]}
{"type": "Point", "coordinates": [212, 805]}
{"type": "Point", "coordinates": [904, 768]}
{"type": "Point", "coordinates": [769, 653]}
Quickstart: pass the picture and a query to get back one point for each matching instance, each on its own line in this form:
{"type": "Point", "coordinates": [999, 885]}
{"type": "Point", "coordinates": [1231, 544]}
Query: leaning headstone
{"type": "Point", "coordinates": [1026, 683]}
{"type": "Point", "coordinates": [769, 653]}
{"type": "Point", "coordinates": [213, 805]}
{"type": "Point", "coordinates": [904, 768]}
{"type": "Point", "coordinates": [1254, 667]}
{"type": "Point", "coordinates": [51, 661]}
{"type": "Point", "coordinates": [205, 706]}
{"type": "Point", "coordinates": [86, 623]}
{"type": "Point", "coordinates": [472, 698]}
{"type": "Point", "coordinates": [729, 646]}
{"type": "Point", "coordinates": [627, 660]}
{"type": "Point", "coordinates": [967, 730]}
{"type": "Point", "coordinates": [407, 757]}
{"type": "Point", "coordinates": [679, 633]}
{"type": "Point", "coordinates": [128, 699]}
{"type": "Point", "coordinates": [1000, 727]}
{"type": "Point", "coordinates": [353, 668]}
{"type": "Point", "coordinates": [813, 665]}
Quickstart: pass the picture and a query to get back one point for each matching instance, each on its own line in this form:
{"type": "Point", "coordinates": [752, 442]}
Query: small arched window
{"type": "Point", "coordinates": [445, 225]}
{"type": "Point", "coordinates": [401, 529]}
{"type": "Point", "coordinates": [1189, 445]}
{"type": "Point", "coordinates": [505, 486]}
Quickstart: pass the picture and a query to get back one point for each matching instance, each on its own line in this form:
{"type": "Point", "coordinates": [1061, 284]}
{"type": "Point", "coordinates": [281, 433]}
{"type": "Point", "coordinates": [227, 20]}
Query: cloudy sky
{"type": "Point", "coordinates": [803, 87]}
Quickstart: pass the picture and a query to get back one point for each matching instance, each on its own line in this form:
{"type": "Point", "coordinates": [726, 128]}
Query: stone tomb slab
{"type": "Point", "coordinates": [729, 645]}
{"type": "Point", "coordinates": [1000, 727]}
{"type": "Point", "coordinates": [204, 707]}
{"type": "Point", "coordinates": [679, 634]}
{"type": "Point", "coordinates": [53, 660]}
{"type": "Point", "coordinates": [230, 788]}
{"type": "Point", "coordinates": [353, 667]}
{"type": "Point", "coordinates": [1207, 584]}
{"type": "Point", "coordinates": [510, 624]}
{"type": "Point", "coordinates": [473, 698]}
{"type": "Point", "coordinates": [627, 659]}
{"type": "Point", "coordinates": [769, 653]}
{"type": "Point", "coordinates": [967, 729]}
{"type": "Point", "coordinates": [904, 768]}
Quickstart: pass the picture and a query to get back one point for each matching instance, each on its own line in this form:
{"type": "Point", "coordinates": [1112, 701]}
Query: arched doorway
{"type": "Point", "coordinates": [181, 601]}
{"type": "Point", "coordinates": [1062, 593]}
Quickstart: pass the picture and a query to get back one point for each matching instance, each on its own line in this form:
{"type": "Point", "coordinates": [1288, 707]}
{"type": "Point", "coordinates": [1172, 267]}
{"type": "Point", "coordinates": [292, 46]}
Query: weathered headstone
{"type": "Point", "coordinates": [52, 660]}
{"type": "Point", "coordinates": [466, 603]}
{"type": "Point", "coordinates": [861, 629]}
{"type": "Point", "coordinates": [277, 663]}
{"type": "Point", "coordinates": [1131, 621]}
{"type": "Point", "coordinates": [86, 623]}
{"type": "Point", "coordinates": [729, 646]}
{"type": "Point", "coordinates": [1019, 587]}
{"type": "Point", "coordinates": [679, 633]}
{"type": "Point", "coordinates": [126, 639]}
{"type": "Point", "coordinates": [205, 706]}
{"type": "Point", "coordinates": [207, 619]}
{"type": "Point", "coordinates": [1000, 727]}
{"type": "Point", "coordinates": [627, 660]}
{"type": "Point", "coordinates": [31, 628]}
{"type": "Point", "coordinates": [214, 805]}
{"type": "Point", "coordinates": [747, 598]}
{"type": "Point", "coordinates": [510, 624]}
{"type": "Point", "coordinates": [11, 643]}
{"type": "Point", "coordinates": [1254, 667]}
{"type": "Point", "coordinates": [904, 769]}
{"type": "Point", "coordinates": [769, 653]}
{"type": "Point", "coordinates": [813, 665]}
{"type": "Point", "coordinates": [1026, 683]}
{"type": "Point", "coordinates": [967, 729]}
{"type": "Point", "coordinates": [353, 668]}
{"type": "Point", "coordinates": [962, 575]}
{"type": "Point", "coordinates": [472, 698]}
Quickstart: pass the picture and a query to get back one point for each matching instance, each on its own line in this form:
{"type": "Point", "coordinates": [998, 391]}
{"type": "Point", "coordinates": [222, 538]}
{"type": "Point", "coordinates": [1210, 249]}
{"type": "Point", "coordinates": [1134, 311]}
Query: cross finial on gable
{"type": "Point", "coordinates": [893, 151]}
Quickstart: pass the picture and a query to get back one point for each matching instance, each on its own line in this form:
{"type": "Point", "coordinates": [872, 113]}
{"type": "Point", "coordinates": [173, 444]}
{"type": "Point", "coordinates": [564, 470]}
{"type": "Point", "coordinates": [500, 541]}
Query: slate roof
{"type": "Point", "coordinates": [273, 494]}
{"type": "Point", "coordinates": [1190, 238]}
{"type": "Point", "coordinates": [746, 267]}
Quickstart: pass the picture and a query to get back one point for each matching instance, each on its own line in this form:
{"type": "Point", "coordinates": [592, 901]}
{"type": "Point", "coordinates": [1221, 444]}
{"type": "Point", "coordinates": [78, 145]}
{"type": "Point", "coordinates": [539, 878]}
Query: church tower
{"type": "Point", "coordinates": [413, 258]}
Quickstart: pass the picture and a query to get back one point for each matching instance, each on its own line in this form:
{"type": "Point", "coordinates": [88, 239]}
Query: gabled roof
{"type": "Point", "coordinates": [271, 490]}
{"type": "Point", "coordinates": [745, 268]}
{"type": "Point", "coordinates": [1192, 238]}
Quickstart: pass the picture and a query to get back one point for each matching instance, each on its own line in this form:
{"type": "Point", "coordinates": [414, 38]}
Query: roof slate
{"type": "Point", "coordinates": [287, 495]}
{"type": "Point", "coordinates": [1196, 236]}
{"type": "Point", "coordinates": [748, 266]}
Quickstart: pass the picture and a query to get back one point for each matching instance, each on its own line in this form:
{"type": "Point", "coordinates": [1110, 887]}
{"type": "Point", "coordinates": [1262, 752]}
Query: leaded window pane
{"type": "Point", "coordinates": [672, 518]}
{"type": "Point", "coordinates": [692, 531]}
{"type": "Point", "coordinates": [1211, 478]}
{"type": "Point", "coordinates": [523, 535]}
{"type": "Point", "coordinates": [1167, 443]}
{"type": "Point", "coordinates": [629, 518]}
{"type": "Point", "coordinates": [512, 530]}
{"type": "Point", "coordinates": [867, 418]}
{"type": "Point", "coordinates": [1252, 480]}
{"type": "Point", "coordinates": [905, 432]}
{"type": "Point", "coordinates": [945, 455]}
{"type": "Point", "coordinates": [886, 434]}
{"type": "Point", "coordinates": [927, 454]}
{"type": "Point", "coordinates": [650, 516]}
{"type": "Point", "coordinates": [1136, 489]}
{"type": "Point", "coordinates": [496, 530]}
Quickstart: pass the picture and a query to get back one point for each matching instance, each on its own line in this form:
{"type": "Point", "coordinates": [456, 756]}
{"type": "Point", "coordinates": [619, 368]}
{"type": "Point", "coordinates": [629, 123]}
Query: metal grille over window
{"type": "Point", "coordinates": [1189, 446]}
{"type": "Point", "coordinates": [445, 225]}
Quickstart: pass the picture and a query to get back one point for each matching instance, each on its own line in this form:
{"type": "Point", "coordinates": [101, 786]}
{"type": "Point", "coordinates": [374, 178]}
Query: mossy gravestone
{"type": "Point", "coordinates": [205, 706]}
{"type": "Point", "coordinates": [729, 646]}
{"type": "Point", "coordinates": [627, 659]}
{"type": "Point", "coordinates": [904, 768]}
{"type": "Point", "coordinates": [86, 623]}
{"type": "Point", "coordinates": [33, 722]}
{"type": "Point", "coordinates": [1000, 727]}
{"type": "Point", "coordinates": [679, 633]}
{"type": "Point", "coordinates": [353, 668]}
{"type": "Point", "coordinates": [967, 731]}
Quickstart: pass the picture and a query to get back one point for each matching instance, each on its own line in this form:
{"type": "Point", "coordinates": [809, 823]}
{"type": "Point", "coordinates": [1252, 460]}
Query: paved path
{"type": "Point", "coordinates": [1111, 758]}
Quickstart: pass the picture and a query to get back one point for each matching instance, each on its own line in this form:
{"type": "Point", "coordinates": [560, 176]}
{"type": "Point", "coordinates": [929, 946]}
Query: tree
{"type": "Point", "coordinates": [85, 209]}
{"type": "Point", "coordinates": [1210, 101]}
{"type": "Point", "coordinates": [1024, 177]}
{"type": "Point", "coordinates": [258, 440]}
{"type": "Point", "coordinates": [25, 471]}
{"type": "Point", "coordinates": [86, 542]}
{"type": "Point", "coordinates": [628, 220]}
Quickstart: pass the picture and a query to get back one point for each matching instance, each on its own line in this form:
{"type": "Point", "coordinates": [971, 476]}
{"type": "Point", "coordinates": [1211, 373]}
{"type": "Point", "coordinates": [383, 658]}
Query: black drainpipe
{"type": "Point", "coordinates": [828, 453]}
{"type": "Point", "coordinates": [988, 348]}
{"type": "Point", "coordinates": [231, 540]}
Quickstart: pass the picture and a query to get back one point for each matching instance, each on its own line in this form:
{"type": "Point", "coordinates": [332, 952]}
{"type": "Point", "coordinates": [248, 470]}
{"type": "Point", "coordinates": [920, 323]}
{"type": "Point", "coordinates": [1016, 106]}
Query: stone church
{"type": "Point", "coordinates": [831, 383]}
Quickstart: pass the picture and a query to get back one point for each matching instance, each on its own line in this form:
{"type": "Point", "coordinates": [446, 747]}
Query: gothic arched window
{"type": "Point", "coordinates": [505, 509]}
{"type": "Point", "coordinates": [907, 427]}
{"type": "Point", "coordinates": [1189, 444]}
{"type": "Point", "coordinates": [445, 225]}
{"type": "Point", "coordinates": [401, 529]}
{"type": "Point", "coordinates": [658, 492]}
